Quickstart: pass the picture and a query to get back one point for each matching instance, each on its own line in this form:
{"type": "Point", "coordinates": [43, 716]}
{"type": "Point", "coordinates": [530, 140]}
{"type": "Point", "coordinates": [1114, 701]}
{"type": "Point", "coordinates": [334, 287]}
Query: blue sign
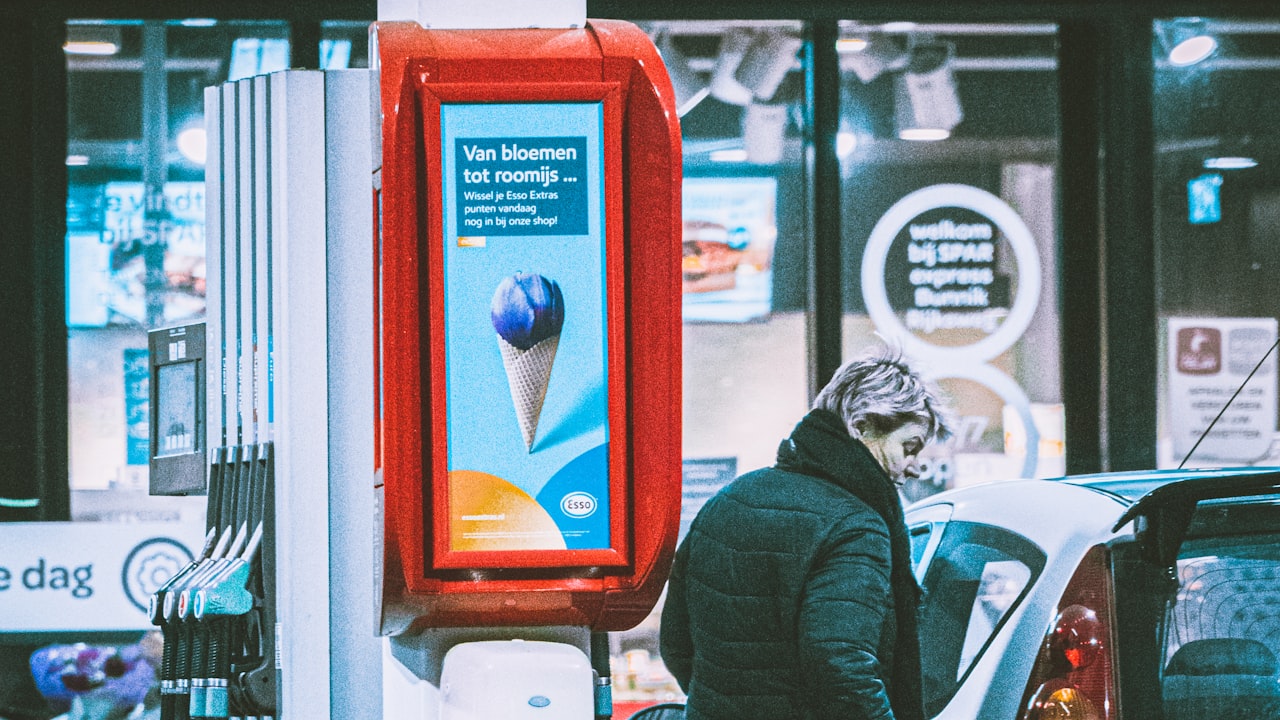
{"type": "Point", "coordinates": [137, 399]}
{"type": "Point", "coordinates": [522, 186]}
{"type": "Point", "coordinates": [1203, 204]}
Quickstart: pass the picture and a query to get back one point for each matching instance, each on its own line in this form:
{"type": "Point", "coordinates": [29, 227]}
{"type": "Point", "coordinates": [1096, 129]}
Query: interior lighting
{"type": "Point", "coordinates": [1186, 41]}
{"type": "Point", "coordinates": [689, 88]}
{"type": "Point", "coordinates": [77, 160]}
{"type": "Point", "coordinates": [880, 54]}
{"type": "Point", "coordinates": [1192, 50]}
{"type": "Point", "coordinates": [924, 134]}
{"type": "Point", "coordinates": [1230, 163]}
{"type": "Point", "coordinates": [192, 144]}
{"type": "Point", "coordinates": [771, 55]}
{"type": "Point", "coordinates": [90, 47]}
{"type": "Point", "coordinates": [737, 155]}
{"type": "Point", "coordinates": [926, 101]}
{"type": "Point", "coordinates": [846, 143]}
{"type": "Point", "coordinates": [92, 40]}
{"type": "Point", "coordinates": [198, 22]}
{"type": "Point", "coordinates": [851, 45]}
{"type": "Point", "coordinates": [752, 64]}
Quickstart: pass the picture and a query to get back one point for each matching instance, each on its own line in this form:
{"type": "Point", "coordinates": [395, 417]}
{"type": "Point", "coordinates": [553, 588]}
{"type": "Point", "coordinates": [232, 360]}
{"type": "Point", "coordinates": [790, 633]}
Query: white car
{"type": "Point", "coordinates": [1120, 596]}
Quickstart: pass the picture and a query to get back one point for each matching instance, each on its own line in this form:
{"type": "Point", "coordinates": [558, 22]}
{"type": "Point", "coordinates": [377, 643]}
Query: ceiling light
{"type": "Point", "coordinates": [1230, 163]}
{"type": "Point", "coordinates": [192, 143]}
{"type": "Point", "coordinates": [881, 53]}
{"type": "Point", "coordinates": [739, 155]}
{"type": "Point", "coordinates": [771, 55]}
{"type": "Point", "coordinates": [846, 143]}
{"type": "Point", "coordinates": [724, 85]}
{"type": "Point", "coordinates": [924, 134]}
{"type": "Point", "coordinates": [77, 160]}
{"type": "Point", "coordinates": [1192, 50]}
{"type": "Point", "coordinates": [1185, 41]}
{"type": "Point", "coordinates": [898, 27]}
{"type": "Point", "coordinates": [90, 47]}
{"type": "Point", "coordinates": [92, 40]}
{"type": "Point", "coordinates": [926, 102]}
{"type": "Point", "coordinates": [689, 87]}
{"type": "Point", "coordinates": [752, 64]}
{"type": "Point", "coordinates": [198, 22]}
{"type": "Point", "coordinates": [764, 129]}
{"type": "Point", "coordinates": [851, 45]}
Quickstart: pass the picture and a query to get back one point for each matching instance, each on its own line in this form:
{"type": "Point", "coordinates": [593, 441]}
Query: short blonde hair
{"type": "Point", "coordinates": [881, 390]}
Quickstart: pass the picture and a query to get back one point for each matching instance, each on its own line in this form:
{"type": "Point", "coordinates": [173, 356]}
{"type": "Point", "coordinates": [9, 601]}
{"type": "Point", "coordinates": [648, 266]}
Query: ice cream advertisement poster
{"type": "Point", "coordinates": [525, 326]}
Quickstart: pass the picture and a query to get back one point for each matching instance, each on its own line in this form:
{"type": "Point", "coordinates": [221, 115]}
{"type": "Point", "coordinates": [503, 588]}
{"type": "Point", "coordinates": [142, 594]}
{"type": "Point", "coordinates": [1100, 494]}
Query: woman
{"type": "Point", "coordinates": [793, 595]}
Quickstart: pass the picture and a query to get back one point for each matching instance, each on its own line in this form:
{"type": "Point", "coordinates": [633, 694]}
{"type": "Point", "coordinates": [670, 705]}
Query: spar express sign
{"type": "Point", "coordinates": [952, 269]}
{"type": "Point", "coordinates": [953, 274]}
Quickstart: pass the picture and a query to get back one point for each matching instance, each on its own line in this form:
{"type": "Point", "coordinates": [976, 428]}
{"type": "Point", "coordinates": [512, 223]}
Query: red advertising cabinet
{"type": "Point", "coordinates": [529, 314]}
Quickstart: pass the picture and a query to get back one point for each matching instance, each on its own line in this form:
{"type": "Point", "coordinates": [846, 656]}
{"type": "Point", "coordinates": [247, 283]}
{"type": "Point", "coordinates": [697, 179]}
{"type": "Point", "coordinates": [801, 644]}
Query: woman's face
{"type": "Point", "coordinates": [898, 450]}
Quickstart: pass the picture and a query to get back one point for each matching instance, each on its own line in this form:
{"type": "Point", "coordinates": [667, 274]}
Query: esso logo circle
{"type": "Point", "coordinates": [578, 504]}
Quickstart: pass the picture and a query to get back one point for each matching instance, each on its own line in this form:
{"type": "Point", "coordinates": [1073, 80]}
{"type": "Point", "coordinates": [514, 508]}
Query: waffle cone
{"type": "Point", "coordinates": [528, 372]}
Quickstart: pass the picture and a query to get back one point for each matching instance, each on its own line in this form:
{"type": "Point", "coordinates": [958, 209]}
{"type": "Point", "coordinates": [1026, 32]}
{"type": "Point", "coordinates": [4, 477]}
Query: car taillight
{"type": "Point", "coordinates": [1073, 674]}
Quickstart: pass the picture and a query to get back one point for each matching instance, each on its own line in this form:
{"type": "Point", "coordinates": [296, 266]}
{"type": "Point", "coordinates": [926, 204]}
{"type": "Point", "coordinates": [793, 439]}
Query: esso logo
{"type": "Point", "coordinates": [578, 504]}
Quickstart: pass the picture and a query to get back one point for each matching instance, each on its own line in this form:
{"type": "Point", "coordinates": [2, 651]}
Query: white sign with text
{"type": "Point", "coordinates": [1209, 360]}
{"type": "Point", "coordinates": [61, 576]}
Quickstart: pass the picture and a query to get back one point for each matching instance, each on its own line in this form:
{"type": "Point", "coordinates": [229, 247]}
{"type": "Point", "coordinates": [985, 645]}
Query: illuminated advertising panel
{"type": "Point", "coordinates": [525, 325]}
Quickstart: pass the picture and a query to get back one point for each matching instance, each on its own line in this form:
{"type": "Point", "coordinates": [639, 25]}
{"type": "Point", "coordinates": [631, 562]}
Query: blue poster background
{"type": "Point", "coordinates": [569, 452]}
{"type": "Point", "coordinates": [521, 185]}
{"type": "Point", "coordinates": [137, 399]}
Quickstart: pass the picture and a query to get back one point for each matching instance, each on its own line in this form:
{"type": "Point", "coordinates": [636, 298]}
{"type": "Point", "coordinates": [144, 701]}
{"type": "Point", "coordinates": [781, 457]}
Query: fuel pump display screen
{"type": "Point", "coordinates": [176, 408]}
{"type": "Point", "coordinates": [526, 323]}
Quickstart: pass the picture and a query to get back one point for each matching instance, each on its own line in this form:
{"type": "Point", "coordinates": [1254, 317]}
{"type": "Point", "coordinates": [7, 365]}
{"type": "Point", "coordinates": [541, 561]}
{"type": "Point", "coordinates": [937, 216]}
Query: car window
{"type": "Point", "coordinates": [1222, 630]}
{"type": "Point", "coordinates": [925, 525]}
{"type": "Point", "coordinates": [978, 574]}
{"type": "Point", "coordinates": [919, 541]}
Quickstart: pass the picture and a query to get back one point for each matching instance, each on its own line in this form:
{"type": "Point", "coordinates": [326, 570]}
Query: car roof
{"type": "Point", "coordinates": [1131, 486]}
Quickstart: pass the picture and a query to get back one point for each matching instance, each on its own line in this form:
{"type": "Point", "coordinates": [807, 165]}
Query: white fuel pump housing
{"type": "Point", "coordinates": [516, 680]}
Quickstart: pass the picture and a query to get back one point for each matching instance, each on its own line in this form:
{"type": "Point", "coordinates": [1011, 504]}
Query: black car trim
{"type": "Point", "coordinates": [1161, 517]}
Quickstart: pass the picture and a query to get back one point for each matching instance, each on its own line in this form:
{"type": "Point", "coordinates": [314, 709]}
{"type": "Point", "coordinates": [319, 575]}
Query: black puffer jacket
{"type": "Point", "coordinates": [792, 596]}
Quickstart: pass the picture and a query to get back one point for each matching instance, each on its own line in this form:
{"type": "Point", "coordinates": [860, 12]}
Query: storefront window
{"type": "Point", "coordinates": [1217, 216]}
{"type": "Point", "coordinates": [740, 93]}
{"type": "Point", "coordinates": [948, 142]}
{"type": "Point", "coordinates": [740, 88]}
{"type": "Point", "coordinates": [135, 230]}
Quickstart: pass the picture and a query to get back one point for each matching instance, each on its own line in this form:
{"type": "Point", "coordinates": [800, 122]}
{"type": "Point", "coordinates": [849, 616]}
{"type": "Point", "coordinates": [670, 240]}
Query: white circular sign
{"type": "Point", "coordinates": [1011, 226]}
{"type": "Point", "coordinates": [578, 504]}
{"type": "Point", "coordinates": [1008, 391]}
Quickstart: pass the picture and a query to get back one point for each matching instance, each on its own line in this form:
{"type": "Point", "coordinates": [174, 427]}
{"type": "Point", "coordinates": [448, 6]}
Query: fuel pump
{"type": "Point", "coordinates": [528, 202]}
{"type": "Point", "coordinates": [497, 473]}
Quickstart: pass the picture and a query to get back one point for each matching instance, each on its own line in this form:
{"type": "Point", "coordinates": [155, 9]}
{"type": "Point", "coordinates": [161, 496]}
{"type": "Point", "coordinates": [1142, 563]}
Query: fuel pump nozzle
{"type": "Point", "coordinates": [213, 606]}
